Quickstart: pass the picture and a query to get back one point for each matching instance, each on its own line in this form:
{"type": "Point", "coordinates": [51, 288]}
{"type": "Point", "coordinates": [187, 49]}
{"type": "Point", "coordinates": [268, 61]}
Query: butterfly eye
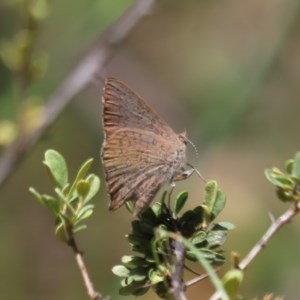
{"type": "Point", "coordinates": [182, 136]}
{"type": "Point", "coordinates": [184, 140]}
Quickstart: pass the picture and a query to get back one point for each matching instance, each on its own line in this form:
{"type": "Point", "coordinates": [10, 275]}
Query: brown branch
{"type": "Point", "coordinates": [275, 226]}
{"type": "Point", "coordinates": [85, 275]}
{"type": "Point", "coordinates": [177, 282]}
{"type": "Point", "coordinates": [285, 218]}
{"type": "Point", "coordinates": [196, 280]}
{"type": "Point", "coordinates": [92, 63]}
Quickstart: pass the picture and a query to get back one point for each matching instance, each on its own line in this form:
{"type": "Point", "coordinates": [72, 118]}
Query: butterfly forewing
{"type": "Point", "coordinates": [140, 151]}
{"type": "Point", "coordinates": [125, 109]}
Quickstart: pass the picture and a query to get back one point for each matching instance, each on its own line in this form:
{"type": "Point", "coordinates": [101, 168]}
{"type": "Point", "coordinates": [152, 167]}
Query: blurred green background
{"type": "Point", "coordinates": [226, 71]}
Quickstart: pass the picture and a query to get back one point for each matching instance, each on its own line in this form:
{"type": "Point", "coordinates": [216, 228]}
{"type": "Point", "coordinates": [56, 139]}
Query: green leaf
{"type": "Point", "coordinates": [81, 174]}
{"type": "Point", "coordinates": [215, 199]}
{"type": "Point", "coordinates": [278, 179]}
{"type": "Point", "coordinates": [85, 212]}
{"type": "Point", "coordinates": [213, 256]}
{"type": "Point", "coordinates": [131, 261]}
{"type": "Point", "coordinates": [148, 215]}
{"type": "Point", "coordinates": [130, 206]}
{"type": "Point", "coordinates": [187, 217]}
{"type": "Point", "coordinates": [57, 167]}
{"type": "Point", "coordinates": [36, 194]}
{"type": "Point", "coordinates": [60, 233]}
{"type": "Point", "coordinates": [127, 290]}
{"type": "Point", "coordinates": [139, 273]}
{"type": "Point", "coordinates": [190, 220]}
{"type": "Point", "coordinates": [125, 281]}
{"type": "Point", "coordinates": [127, 258]}
{"type": "Point", "coordinates": [64, 199]}
{"type": "Point", "coordinates": [50, 202]}
{"type": "Point", "coordinates": [83, 188]}
{"type": "Point", "coordinates": [285, 195]}
{"type": "Point", "coordinates": [142, 228]}
{"type": "Point", "coordinates": [156, 208]}
{"type": "Point", "coordinates": [135, 288]}
{"type": "Point", "coordinates": [163, 290]}
{"type": "Point", "coordinates": [296, 166]}
{"type": "Point", "coordinates": [232, 281]}
{"type": "Point", "coordinates": [199, 238]}
{"type": "Point", "coordinates": [155, 276]}
{"type": "Point", "coordinates": [216, 238]}
{"type": "Point", "coordinates": [78, 228]}
{"type": "Point", "coordinates": [227, 225]}
{"type": "Point", "coordinates": [289, 166]}
{"type": "Point", "coordinates": [142, 243]}
{"type": "Point", "coordinates": [120, 271]}
{"type": "Point", "coordinates": [94, 182]}
{"type": "Point", "coordinates": [270, 175]}
{"type": "Point", "coordinates": [146, 228]}
{"type": "Point", "coordinates": [180, 201]}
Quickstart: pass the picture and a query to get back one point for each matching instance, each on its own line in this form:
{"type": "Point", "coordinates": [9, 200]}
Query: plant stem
{"type": "Point", "coordinates": [85, 275]}
{"type": "Point", "coordinates": [177, 280]}
{"type": "Point", "coordinates": [275, 226]}
{"type": "Point", "coordinates": [285, 218]}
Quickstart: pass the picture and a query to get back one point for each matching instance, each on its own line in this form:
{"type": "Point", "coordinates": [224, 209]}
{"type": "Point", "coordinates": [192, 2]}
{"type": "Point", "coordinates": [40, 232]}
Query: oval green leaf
{"type": "Point", "coordinates": [296, 166]}
{"type": "Point", "coordinates": [57, 167]}
{"type": "Point", "coordinates": [120, 271]}
{"type": "Point", "coordinates": [180, 201]}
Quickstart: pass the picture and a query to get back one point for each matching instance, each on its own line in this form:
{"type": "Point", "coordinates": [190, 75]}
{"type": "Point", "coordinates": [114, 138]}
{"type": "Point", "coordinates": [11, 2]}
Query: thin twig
{"type": "Point", "coordinates": [199, 278]}
{"type": "Point", "coordinates": [192, 271]}
{"type": "Point", "coordinates": [85, 275]}
{"type": "Point", "coordinates": [196, 279]}
{"type": "Point", "coordinates": [92, 63]}
{"type": "Point", "coordinates": [275, 226]}
{"type": "Point", "coordinates": [262, 243]}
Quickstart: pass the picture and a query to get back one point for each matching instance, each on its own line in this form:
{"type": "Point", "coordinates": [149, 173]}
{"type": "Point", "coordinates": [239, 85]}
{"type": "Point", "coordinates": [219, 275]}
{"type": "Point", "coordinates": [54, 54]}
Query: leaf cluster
{"type": "Point", "coordinates": [71, 202]}
{"type": "Point", "coordinates": [287, 183]}
{"type": "Point", "coordinates": [154, 261]}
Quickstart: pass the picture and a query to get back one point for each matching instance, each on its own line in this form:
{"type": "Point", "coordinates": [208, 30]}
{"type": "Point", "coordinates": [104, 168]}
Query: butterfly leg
{"type": "Point", "coordinates": [196, 170]}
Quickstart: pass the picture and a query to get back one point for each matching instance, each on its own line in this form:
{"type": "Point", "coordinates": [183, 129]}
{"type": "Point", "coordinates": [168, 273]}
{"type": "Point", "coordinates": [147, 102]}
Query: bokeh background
{"type": "Point", "coordinates": [226, 71]}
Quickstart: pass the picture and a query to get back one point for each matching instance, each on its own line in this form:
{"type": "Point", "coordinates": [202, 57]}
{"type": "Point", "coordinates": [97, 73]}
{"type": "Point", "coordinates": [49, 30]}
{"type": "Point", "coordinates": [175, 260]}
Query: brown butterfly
{"type": "Point", "coordinates": [140, 151]}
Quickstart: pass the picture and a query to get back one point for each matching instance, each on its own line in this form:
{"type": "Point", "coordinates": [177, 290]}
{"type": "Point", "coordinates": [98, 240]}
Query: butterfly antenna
{"type": "Point", "coordinates": [197, 158]}
{"type": "Point", "coordinates": [195, 148]}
